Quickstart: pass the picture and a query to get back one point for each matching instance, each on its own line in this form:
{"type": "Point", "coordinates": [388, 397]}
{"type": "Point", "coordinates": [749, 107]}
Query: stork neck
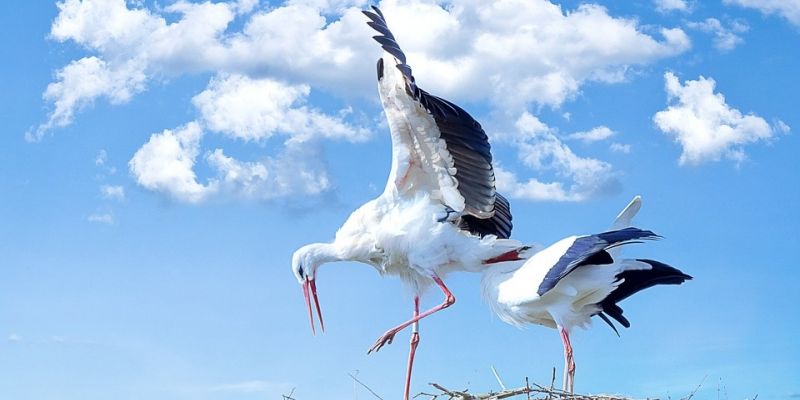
{"type": "Point", "coordinates": [327, 252]}
{"type": "Point", "coordinates": [496, 273]}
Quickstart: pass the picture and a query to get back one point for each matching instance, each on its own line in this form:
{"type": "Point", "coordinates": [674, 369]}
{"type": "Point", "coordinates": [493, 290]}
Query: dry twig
{"type": "Point", "coordinates": [365, 386]}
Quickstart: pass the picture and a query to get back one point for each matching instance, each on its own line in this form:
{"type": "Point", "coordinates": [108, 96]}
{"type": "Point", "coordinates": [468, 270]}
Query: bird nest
{"type": "Point", "coordinates": [530, 391]}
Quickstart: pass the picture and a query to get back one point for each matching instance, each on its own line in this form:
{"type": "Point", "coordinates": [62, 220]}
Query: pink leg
{"type": "Point", "coordinates": [387, 337]}
{"type": "Point", "coordinates": [569, 363]}
{"type": "Point", "coordinates": [414, 342]}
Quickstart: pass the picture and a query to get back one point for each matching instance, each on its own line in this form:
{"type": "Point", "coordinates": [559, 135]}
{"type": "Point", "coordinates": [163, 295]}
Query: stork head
{"type": "Point", "coordinates": [392, 78]}
{"type": "Point", "coordinates": [305, 262]}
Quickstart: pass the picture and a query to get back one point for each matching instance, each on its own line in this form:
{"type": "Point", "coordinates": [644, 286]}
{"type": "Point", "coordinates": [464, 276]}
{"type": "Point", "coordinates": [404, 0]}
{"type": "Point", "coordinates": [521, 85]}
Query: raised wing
{"type": "Point", "coordinates": [443, 148]}
{"type": "Point", "coordinates": [590, 249]}
{"type": "Point", "coordinates": [625, 217]}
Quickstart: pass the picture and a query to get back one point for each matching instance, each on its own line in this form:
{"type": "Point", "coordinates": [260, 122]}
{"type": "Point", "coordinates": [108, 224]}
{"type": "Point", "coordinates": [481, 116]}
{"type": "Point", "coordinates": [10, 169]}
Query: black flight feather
{"type": "Point", "coordinates": [634, 281]}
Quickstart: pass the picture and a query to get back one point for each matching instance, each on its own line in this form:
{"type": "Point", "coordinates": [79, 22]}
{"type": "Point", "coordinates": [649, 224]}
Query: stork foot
{"type": "Point", "coordinates": [386, 338]}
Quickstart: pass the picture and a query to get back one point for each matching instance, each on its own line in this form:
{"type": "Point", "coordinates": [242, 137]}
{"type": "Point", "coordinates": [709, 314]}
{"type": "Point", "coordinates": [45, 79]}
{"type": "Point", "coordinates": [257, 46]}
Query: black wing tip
{"type": "Point", "coordinates": [605, 319]}
{"type": "Point", "coordinates": [666, 270]}
{"type": "Point", "coordinates": [634, 281]}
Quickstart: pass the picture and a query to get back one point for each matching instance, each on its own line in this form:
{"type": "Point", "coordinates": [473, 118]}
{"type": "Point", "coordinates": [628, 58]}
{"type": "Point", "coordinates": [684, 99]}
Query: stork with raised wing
{"type": "Point", "coordinates": [439, 211]}
{"type": "Point", "coordinates": [574, 279]}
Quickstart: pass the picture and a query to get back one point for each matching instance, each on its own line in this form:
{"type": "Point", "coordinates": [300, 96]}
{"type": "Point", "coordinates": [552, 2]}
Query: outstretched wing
{"type": "Point", "coordinates": [437, 146]}
{"type": "Point", "coordinates": [590, 250]}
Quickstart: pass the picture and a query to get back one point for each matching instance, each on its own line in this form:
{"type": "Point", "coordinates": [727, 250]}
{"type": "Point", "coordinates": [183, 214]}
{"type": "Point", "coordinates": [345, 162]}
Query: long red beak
{"type": "Point", "coordinates": [310, 286]}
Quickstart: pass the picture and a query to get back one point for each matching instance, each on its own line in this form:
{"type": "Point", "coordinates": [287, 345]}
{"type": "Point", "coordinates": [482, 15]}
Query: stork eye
{"type": "Point", "coordinates": [300, 270]}
{"type": "Point", "coordinates": [380, 68]}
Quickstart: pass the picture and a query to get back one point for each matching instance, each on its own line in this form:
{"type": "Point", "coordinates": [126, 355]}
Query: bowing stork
{"type": "Point", "coordinates": [574, 279]}
{"type": "Point", "coordinates": [439, 211]}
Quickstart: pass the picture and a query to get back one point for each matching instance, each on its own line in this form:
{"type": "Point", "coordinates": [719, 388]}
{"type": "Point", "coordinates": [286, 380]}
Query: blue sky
{"type": "Point", "coordinates": [163, 160]}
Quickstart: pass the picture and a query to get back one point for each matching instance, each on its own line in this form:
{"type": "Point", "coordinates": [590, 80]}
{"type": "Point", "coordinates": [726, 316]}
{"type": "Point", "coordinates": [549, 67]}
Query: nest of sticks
{"type": "Point", "coordinates": [531, 391]}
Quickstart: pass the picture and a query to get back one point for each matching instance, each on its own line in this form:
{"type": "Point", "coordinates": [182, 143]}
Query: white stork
{"type": "Point", "coordinates": [574, 279]}
{"type": "Point", "coordinates": [439, 211]}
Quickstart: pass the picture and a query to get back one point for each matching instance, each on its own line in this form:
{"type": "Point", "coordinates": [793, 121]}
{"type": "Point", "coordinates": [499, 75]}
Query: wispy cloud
{"type": "Point", "coordinates": [672, 5]}
{"type": "Point", "coordinates": [112, 192]}
{"type": "Point", "coordinates": [726, 38]}
{"type": "Point", "coordinates": [593, 135]}
{"type": "Point", "coordinates": [579, 178]}
{"type": "Point", "coordinates": [101, 218]}
{"type": "Point", "coordinates": [620, 148]}
{"type": "Point", "coordinates": [788, 9]}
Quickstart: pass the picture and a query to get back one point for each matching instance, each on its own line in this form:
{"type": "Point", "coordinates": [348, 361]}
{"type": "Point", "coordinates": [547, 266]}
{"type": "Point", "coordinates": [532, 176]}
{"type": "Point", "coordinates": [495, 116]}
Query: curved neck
{"type": "Point", "coordinates": [326, 252]}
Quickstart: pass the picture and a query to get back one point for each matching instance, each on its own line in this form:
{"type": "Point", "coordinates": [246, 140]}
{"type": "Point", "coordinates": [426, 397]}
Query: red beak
{"type": "Point", "coordinates": [310, 285]}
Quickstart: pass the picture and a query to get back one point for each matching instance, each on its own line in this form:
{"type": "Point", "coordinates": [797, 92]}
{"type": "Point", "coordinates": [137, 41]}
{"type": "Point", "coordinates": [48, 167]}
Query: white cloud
{"type": "Point", "coordinates": [671, 5]}
{"type": "Point", "coordinates": [725, 38]}
{"type": "Point", "coordinates": [256, 109]}
{"type": "Point", "coordinates": [101, 158]}
{"type": "Point", "coordinates": [705, 125]}
{"type": "Point", "coordinates": [488, 50]}
{"type": "Point", "coordinates": [471, 50]}
{"type": "Point", "coordinates": [101, 218]}
{"type": "Point", "coordinates": [266, 60]}
{"type": "Point", "coordinates": [250, 110]}
{"type": "Point", "coordinates": [297, 170]}
{"type": "Point", "coordinates": [165, 164]}
{"type": "Point", "coordinates": [595, 134]}
{"type": "Point", "coordinates": [13, 337]}
{"type": "Point", "coordinates": [81, 82]}
{"type": "Point", "coordinates": [781, 126]}
{"type": "Point", "coordinates": [578, 178]}
{"type": "Point", "coordinates": [112, 192]}
{"type": "Point", "coordinates": [789, 9]}
{"type": "Point", "coordinates": [620, 148]}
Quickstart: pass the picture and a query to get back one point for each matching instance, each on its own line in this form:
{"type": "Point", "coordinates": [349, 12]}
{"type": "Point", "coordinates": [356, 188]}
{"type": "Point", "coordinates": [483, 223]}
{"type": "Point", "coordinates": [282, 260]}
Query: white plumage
{"type": "Point", "coordinates": [567, 283]}
{"type": "Point", "coordinates": [438, 212]}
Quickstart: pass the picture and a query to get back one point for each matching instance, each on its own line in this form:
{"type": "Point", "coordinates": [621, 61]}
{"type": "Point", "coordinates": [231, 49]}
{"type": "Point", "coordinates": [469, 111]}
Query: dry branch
{"type": "Point", "coordinates": [540, 393]}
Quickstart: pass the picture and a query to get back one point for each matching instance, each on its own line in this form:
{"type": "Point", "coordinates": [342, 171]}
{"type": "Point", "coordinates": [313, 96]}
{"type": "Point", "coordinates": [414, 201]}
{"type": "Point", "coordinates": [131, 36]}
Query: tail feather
{"type": "Point", "coordinates": [634, 281]}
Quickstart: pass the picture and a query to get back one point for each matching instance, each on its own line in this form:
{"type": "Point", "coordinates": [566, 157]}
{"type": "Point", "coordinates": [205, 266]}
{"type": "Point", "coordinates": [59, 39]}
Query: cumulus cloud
{"type": "Point", "coordinates": [671, 5]}
{"type": "Point", "coordinates": [705, 125]}
{"type": "Point", "coordinates": [256, 109]}
{"type": "Point", "coordinates": [165, 164]}
{"type": "Point", "coordinates": [471, 50]}
{"type": "Point", "coordinates": [266, 60]}
{"type": "Point", "coordinates": [725, 38]}
{"type": "Point", "coordinates": [593, 135]}
{"type": "Point", "coordinates": [245, 109]}
{"type": "Point", "coordinates": [577, 178]}
{"type": "Point", "coordinates": [789, 9]}
{"type": "Point", "coordinates": [485, 51]}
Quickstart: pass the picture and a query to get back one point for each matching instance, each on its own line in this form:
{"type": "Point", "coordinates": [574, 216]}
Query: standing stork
{"type": "Point", "coordinates": [439, 211]}
{"type": "Point", "coordinates": [574, 279]}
